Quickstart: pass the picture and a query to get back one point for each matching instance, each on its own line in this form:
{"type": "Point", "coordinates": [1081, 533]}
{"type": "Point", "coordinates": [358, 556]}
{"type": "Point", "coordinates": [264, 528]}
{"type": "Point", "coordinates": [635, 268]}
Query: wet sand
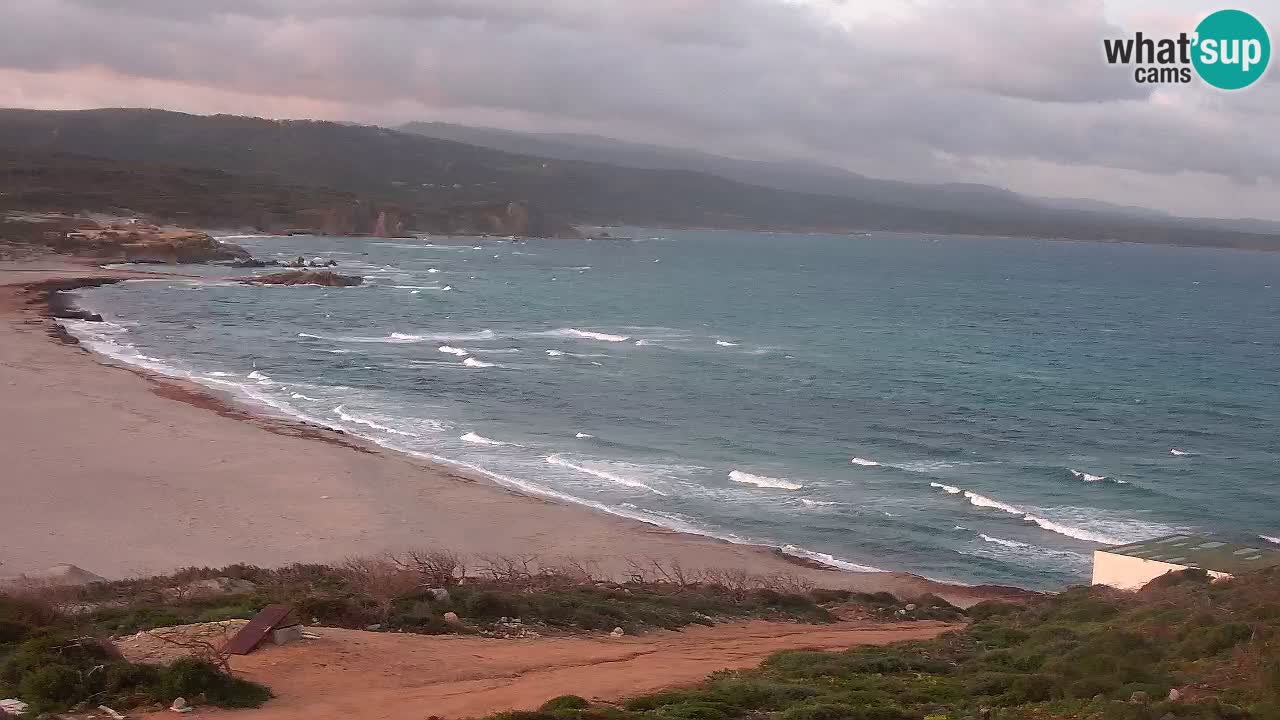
{"type": "Point", "coordinates": [125, 473]}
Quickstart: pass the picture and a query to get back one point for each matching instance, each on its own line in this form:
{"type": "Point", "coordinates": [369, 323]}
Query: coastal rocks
{"type": "Point", "coordinates": [324, 278]}
{"type": "Point", "coordinates": [253, 263]}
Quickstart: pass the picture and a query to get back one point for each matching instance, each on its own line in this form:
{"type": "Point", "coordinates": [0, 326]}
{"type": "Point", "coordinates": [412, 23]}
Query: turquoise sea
{"type": "Point", "coordinates": [976, 410]}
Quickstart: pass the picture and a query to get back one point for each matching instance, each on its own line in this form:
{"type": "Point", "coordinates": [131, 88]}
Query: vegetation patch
{"type": "Point", "coordinates": [1181, 648]}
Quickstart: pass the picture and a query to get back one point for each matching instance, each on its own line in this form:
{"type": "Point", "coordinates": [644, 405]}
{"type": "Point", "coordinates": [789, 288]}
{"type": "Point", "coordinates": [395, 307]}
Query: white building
{"type": "Point", "coordinates": [1131, 566]}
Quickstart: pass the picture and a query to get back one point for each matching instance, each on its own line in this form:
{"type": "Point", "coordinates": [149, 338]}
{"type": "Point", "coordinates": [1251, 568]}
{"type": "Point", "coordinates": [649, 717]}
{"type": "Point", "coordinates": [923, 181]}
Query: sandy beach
{"type": "Point", "coordinates": [126, 474]}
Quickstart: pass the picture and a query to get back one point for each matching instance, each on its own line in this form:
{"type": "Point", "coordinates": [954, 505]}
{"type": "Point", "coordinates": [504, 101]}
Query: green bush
{"type": "Point", "coordinates": [565, 702]}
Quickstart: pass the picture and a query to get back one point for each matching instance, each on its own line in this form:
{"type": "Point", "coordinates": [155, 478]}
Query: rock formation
{"type": "Point", "coordinates": [326, 278]}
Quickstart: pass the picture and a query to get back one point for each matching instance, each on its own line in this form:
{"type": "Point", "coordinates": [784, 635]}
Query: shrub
{"type": "Point", "coordinates": [565, 702]}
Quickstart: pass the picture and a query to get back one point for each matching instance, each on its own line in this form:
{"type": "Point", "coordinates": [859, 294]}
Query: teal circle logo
{"type": "Point", "coordinates": [1232, 49]}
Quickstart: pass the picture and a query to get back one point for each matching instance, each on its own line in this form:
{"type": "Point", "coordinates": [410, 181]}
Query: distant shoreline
{"type": "Point", "coordinates": [199, 482]}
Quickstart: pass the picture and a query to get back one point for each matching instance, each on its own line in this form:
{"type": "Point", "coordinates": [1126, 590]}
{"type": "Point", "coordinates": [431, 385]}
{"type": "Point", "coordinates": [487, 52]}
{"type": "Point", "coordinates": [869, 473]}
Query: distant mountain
{"type": "Point", "coordinates": [432, 181]}
{"type": "Point", "coordinates": [802, 177]}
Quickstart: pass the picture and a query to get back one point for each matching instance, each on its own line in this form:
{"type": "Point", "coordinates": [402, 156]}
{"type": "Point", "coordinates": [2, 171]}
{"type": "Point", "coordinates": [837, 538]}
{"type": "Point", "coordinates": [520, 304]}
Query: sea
{"type": "Point", "coordinates": [975, 410]}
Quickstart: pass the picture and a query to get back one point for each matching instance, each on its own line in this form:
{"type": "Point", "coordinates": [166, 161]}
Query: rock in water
{"type": "Point", "coordinates": [326, 278]}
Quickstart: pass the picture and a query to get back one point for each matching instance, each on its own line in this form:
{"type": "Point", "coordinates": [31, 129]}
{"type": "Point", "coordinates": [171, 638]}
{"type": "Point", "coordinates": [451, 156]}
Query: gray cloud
{"type": "Point", "coordinates": [941, 90]}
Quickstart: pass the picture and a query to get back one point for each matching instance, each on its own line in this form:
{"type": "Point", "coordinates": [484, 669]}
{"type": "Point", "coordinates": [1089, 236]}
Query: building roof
{"type": "Point", "coordinates": [1206, 553]}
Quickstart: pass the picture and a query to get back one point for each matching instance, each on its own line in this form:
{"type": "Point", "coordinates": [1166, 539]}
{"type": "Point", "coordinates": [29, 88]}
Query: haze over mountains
{"type": "Point", "coordinates": [425, 172]}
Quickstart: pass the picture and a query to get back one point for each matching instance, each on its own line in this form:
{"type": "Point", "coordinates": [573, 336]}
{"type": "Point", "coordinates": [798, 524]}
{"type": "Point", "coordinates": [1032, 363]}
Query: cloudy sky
{"type": "Point", "coordinates": [1005, 92]}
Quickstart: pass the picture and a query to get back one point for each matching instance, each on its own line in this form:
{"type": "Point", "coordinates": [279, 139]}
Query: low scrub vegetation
{"type": "Point", "coordinates": [415, 592]}
{"type": "Point", "coordinates": [55, 662]}
{"type": "Point", "coordinates": [1181, 648]}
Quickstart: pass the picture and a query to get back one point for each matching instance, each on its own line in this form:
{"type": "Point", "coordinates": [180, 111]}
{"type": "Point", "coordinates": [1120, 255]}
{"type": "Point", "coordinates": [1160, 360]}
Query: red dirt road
{"type": "Point", "coordinates": [356, 675]}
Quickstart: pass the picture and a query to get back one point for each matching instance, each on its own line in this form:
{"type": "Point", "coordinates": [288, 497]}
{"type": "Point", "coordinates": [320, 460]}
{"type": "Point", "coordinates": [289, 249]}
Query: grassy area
{"type": "Point", "coordinates": [1181, 648]}
{"type": "Point", "coordinates": [55, 662]}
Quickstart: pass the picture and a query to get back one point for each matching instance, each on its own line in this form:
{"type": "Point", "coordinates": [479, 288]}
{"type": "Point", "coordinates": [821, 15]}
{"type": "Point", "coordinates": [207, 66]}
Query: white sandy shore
{"type": "Point", "coordinates": [126, 474]}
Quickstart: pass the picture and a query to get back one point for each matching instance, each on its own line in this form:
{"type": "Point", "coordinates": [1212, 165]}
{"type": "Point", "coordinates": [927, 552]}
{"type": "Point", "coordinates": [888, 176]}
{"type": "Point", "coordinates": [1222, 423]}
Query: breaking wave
{"type": "Point", "coordinates": [481, 440]}
{"type": "Point", "coordinates": [450, 350]}
{"type": "Point", "coordinates": [341, 412]}
{"type": "Point", "coordinates": [602, 474]}
{"type": "Point", "coordinates": [763, 481]}
{"type": "Point", "coordinates": [828, 560]}
{"type": "Point", "coordinates": [1079, 475]}
{"type": "Point", "coordinates": [726, 343]}
{"type": "Point", "coordinates": [397, 338]}
{"type": "Point", "coordinates": [583, 435]}
{"type": "Point", "coordinates": [864, 462]}
{"type": "Point", "coordinates": [1002, 541]}
{"type": "Point", "coordinates": [474, 363]}
{"type": "Point", "coordinates": [1179, 453]}
{"type": "Point", "coordinates": [587, 335]}
{"type": "Point", "coordinates": [1270, 539]}
{"type": "Point", "coordinates": [982, 501]}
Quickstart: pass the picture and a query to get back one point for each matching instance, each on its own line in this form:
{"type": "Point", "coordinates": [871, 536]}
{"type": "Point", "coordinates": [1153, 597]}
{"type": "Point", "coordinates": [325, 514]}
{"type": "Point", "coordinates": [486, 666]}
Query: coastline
{"type": "Point", "coordinates": [116, 477]}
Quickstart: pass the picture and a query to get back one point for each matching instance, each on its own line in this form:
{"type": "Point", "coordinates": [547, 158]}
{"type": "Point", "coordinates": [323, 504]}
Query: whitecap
{"type": "Point", "coordinates": [1178, 453]}
{"type": "Point", "coordinates": [817, 503]}
{"type": "Point", "coordinates": [1270, 539]}
{"type": "Point", "coordinates": [449, 349]}
{"type": "Point", "coordinates": [726, 343]}
{"type": "Point", "coordinates": [763, 481]}
{"type": "Point", "coordinates": [474, 363]}
{"type": "Point", "coordinates": [555, 353]}
{"type": "Point", "coordinates": [1002, 541]}
{"type": "Point", "coordinates": [602, 474]}
{"type": "Point", "coordinates": [582, 436]}
{"type": "Point", "coordinates": [1080, 475]}
{"type": "Point", "coordinates": [219, 373]}
{"type": "Point", "coordinates": [481, 440]}
{"type": "Point", "coordinates": [432, 270]}
{"type": "Point", "coordinates": [300, 396]}
{"type": "Point", "coordinates": [447, 287]}
{"type": "Point", "coordinates": [587, 335]}
{"type": "Point", "coordinates": [952, 489]}
{"type": "Point", "coordinates": [864, 462]}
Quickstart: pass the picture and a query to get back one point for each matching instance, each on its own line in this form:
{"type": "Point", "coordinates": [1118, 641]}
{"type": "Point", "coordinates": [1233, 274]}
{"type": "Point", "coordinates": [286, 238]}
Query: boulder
{"type": "Point", "coordinates": [451, 617]}
{"type": "Point", "coordinates": [326, 278]}
{"type": "Point", "coordinates": [1175, 694]}
{"type": "Point", "coordinates": [618, 632]}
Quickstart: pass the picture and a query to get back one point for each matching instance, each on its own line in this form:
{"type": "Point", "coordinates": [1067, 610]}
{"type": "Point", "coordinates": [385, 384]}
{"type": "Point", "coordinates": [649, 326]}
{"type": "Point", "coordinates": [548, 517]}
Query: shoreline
{"type": "Point", "coordinates": [547, 527]}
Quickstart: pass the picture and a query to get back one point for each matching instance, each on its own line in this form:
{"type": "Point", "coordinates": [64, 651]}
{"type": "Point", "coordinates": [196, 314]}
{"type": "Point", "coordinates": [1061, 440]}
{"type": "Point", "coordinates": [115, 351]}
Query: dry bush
{"type": "Point", "coordinates": [435, 568]}
{"type": "Point", "coordinates": [381, 579]}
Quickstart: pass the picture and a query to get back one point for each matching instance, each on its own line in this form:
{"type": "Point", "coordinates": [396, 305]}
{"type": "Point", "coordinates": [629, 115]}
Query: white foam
{"type": "Point", "coordinates": [587, 335]}
{"type": "Point", "coordinates": [474, 363]}
{"type": "Point", "coordinates": [817, 503]}
{"type": "Point", "coordinates": [1178, 453]}
{"type": "Point", "coordinates": [643, 342]}
{"type": "Point", "coordinates": [952, 489]}
{"type": "Point", "coordinates": [1080, 475]}
{"type": "Point", "coordinates": [446, 288]}
{"type": "Point", "coordinates": [763, 481]}
{"type": "Point", "coordinates": [726, 343]}
{"type": "Point", "coordinates": [602, 474]}
{"type": "Point", "coordinates": [218, 373]}
{"type": "Point", "coordinates": [1270, 539]}
{"type": "Point", "coordinates": [398, 338]}
{"type": "Point", "coordinates": [583, 435]}
{"type": "Point", "coordinates": [341, 412]}
{"type": "Point", "coordinates": [432, 270]}
{"type": "Point", "coordinates": [555, 353]}
{"type": "Point", "coordinates": [1002, 541]}
{"type": "Point", "coordinates": [300, 396]}
{"type": "Point", "coordinates": [864, 462]}
{"type": "Point", "coordinates": [829, 560]}
{"type": "Point", "coordinates": [481, 440]}
{"type": "Point", "coordinates": [449, 349]}
{"type": "Point", "coordinates": [983, 501]}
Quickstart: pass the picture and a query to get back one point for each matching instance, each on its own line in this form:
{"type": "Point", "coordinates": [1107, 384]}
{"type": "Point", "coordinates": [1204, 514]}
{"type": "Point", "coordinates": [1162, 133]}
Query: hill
{"type": "Point", "coordinates": [428, 176]}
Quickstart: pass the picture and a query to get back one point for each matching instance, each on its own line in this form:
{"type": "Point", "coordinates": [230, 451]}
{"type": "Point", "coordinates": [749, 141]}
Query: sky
{"type": "Point", "coordinates": [1013, 93]}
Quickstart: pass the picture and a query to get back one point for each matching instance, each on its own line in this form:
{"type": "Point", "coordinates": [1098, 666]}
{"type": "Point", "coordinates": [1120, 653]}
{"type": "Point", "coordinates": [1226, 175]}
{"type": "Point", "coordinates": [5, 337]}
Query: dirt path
{"type": "Point", "coordinates": [357, 675]}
